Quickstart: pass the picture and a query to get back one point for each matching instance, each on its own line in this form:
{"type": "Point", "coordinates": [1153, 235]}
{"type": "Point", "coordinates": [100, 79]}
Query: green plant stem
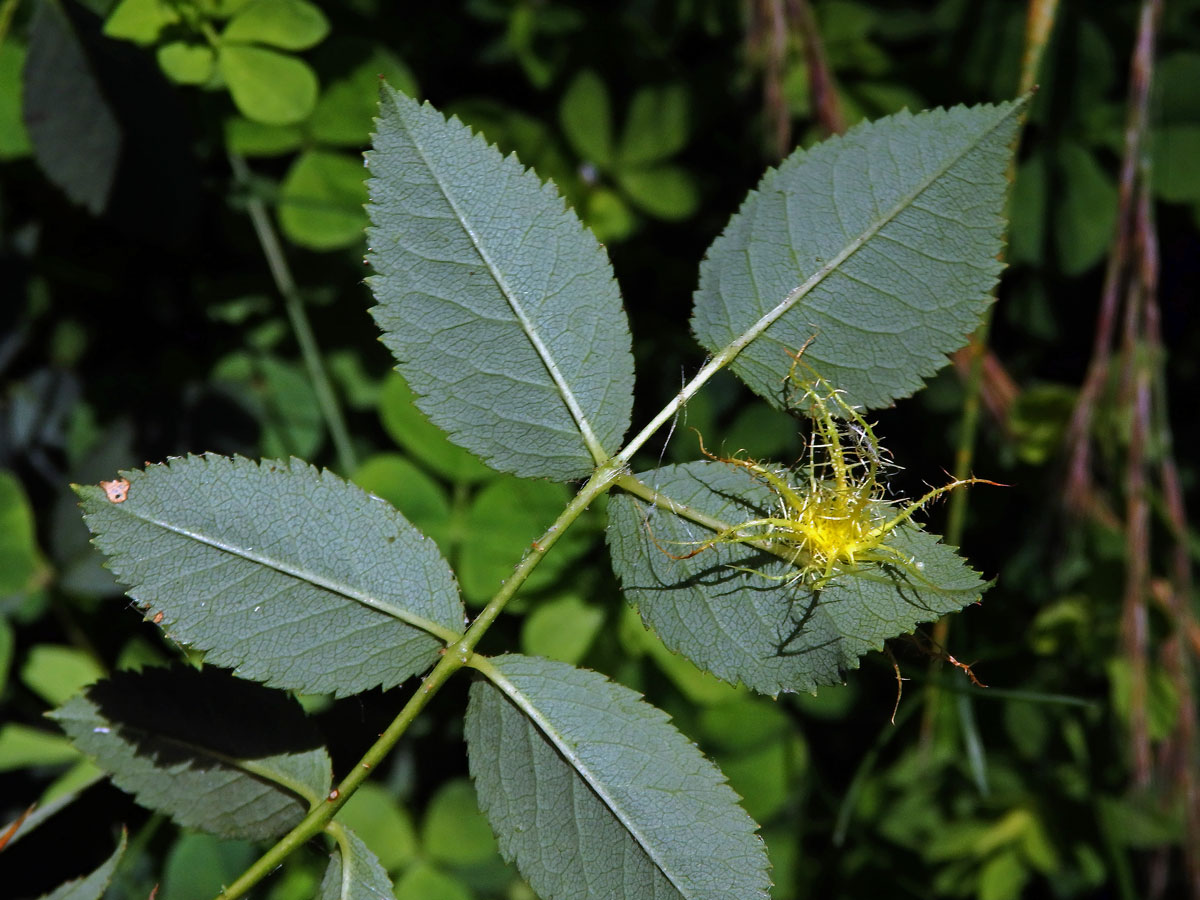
{"type": "Point", "coordinates": [1039, 24]}
{"type": "Point", "coordinates": [327, 401]}
{"type": "Point", "coordinates": [631, 484]}
{"type": "Point", "coordinates": [730, 351]}
{"type": "Point", "coordinates": [454, 657]}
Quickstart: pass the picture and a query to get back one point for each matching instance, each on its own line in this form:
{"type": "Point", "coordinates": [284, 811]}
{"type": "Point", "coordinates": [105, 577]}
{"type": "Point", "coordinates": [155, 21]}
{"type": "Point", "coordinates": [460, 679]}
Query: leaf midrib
{"type": "Point", "coordinates": [798, 293]}
{"type": "Point", "coordinates": [594, 447]}
{"type": "Point", "coordinates": [497, 677]}
{"type": "Point", "coordinates": [439, 631]}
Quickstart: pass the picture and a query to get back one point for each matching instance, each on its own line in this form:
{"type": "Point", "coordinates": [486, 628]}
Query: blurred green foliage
{"type": "Point", "coordinates": [141, 320]}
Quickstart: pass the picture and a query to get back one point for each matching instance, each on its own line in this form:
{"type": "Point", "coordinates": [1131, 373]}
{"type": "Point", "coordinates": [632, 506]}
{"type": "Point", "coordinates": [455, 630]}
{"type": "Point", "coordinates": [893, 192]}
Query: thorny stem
{"type": "Point", "coordinates": [458, 654]}
{"type": "Point", "coordinates": [1078, 494]}
{"type": "Point", "coordinates": [730, 351]}
{"type": "Point", "coordinates": [327, 400]}
{"type": "Point", "coordinates": [454, 657]}
{"type": "Point", "coordinates": [1131, 279]}
{"type": "Point", "coordinates": [1130, 276]}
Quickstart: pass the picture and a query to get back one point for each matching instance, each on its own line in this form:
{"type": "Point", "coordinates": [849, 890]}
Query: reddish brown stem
{"type": "Point", "coordinates": [822, 90]}
{"type": "Point", "coordinates": [1078, 493]}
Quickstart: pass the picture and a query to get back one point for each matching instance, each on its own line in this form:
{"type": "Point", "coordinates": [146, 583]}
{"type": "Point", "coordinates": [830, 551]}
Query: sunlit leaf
{"type": "Point", "coordinates": [20, 559]}
{"type": "Point", "coordinates": [200, 865]}
{"type": "Point", "coordinates": [374, 811]}
{"type": "Point", "coordinates": [287, 24]}
{"type": "Point", "coordinates": [249, 138]}
{"type": "Point", "coordinates": [186, 63]}
{"type": "Point", "coordinates": [321, 200]}
{"type": "Point", "coordinates": [505, 517]}
{"type": "Point", "coordinates": [1086, 215]}
{"type": "Point", "coordinates": [140, 21]}
{"type": "Point", "coordinates": [666, 192]}
{"type": "Point", "coordinates": [56, 672]}
{"type": "Point", "coordinates": [656, 127]}
{"type": "Point", "coordinates": [562, 629]}
{"type": "Point", "coordinates": [14, 139]}
{"type": "Point", "coordinates": [267, 86]}
{"type": "Point", "coordinates": [348, 104]}
{"type": "Point", "coordinates": [22, 746]}
{"type": "Point", "coordinates": [454, 830]}
{"type": "Point", "coordinates": [586, 118]}
{"type": "Point", "coordinates": [426, 443]}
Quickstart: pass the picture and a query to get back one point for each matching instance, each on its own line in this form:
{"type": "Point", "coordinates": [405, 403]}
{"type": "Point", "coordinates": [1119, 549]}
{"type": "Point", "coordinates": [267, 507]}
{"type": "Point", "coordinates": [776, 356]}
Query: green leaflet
{"type": "Point", "coordinates": [321, 200]}
{"type": "Point", "coordinates": [56, 672]}
{"type": "Point", "coordinates": [596, 795]}
{"type": "Point", "coordinates": [267, 86]}
{"type": "Point", "coordinates": [354, 872]}
{"type": "Point", "coordinates": [79, 152]}
{"type": "Point", "coordinates": [93, 885]}
{"type": "Point", "coordinates": [19, 556]}
{"type": "Point", "coordinates": [762, 631]}
{"type": "Point", "coordinates": [199, 865]}
{"type": "Point", "coordinates": [377, 812]}
{"type": "Point", "coordinates": [881, 244]}
{"type": "Point", "coordinates": [454, 833]}
{"type": "Point", "coordinates": [193, 745]}
{"type": "Point", "coordinates": [289, 24]}
{"type": "Point", "coordinates": [289, 575]}
{"type": "Point", "coordinates": [499, 307]}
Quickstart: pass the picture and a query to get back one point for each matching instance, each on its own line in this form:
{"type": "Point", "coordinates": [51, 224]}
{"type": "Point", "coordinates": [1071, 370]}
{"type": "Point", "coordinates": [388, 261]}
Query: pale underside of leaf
{"type": "Point", "coordinates": [595, 794]}
{"type": "Point", "coordinates": [212, 752]}
{"type": "Point", "coordinates": [290, 575]}
{"type": "Point", "coordinates": [354, 872]}
{"type": "Point", "coordinates": [736, 611]}
{"type": "Point", "coordinates": [880, 245]}
{"type": "Point", "coordinates": [500, 308]}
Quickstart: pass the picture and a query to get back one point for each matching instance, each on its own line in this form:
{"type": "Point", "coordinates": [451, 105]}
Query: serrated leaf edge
{"type": "Point", "coordinates": [439, 631]}
{"type": "Point", "coordinates": [110, 863]}
{"type": "Point", "coordinates": [496, 677]}
{"type": "Point", "coordinates": [800, 291]}
{"type": "Point", "coordinates": [594, 447]}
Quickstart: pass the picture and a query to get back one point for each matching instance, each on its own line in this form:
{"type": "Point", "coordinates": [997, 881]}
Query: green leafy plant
{"type": "Point", "coordinates": [874, 252]}
{"type": "Point", "coordinates": [240, 45]}
{"type": "Point", "coordinates": [656, 128]}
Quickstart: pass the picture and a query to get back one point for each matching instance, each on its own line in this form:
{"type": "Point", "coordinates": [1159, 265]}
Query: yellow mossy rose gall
{"type": "Point", "coordinates": [836, 518]}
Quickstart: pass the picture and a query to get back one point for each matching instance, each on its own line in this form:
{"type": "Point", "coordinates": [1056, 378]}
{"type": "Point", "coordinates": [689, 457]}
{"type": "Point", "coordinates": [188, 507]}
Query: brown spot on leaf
{"type": "Point", "coordinates": [116, 490]}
